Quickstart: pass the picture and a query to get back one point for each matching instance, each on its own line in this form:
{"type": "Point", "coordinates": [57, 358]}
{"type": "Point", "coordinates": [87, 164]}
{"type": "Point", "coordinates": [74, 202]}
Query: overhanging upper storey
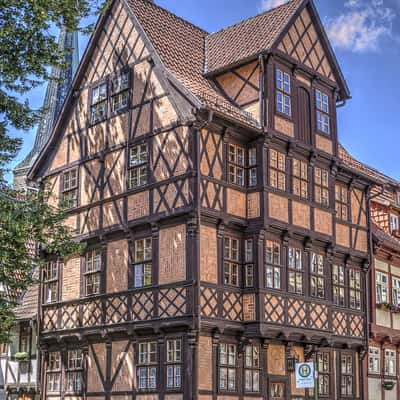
{"type": "Point", "coordinates": [293, 31]}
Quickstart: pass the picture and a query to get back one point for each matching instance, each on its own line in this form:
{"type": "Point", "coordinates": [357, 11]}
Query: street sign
{"type": "Point", "coordinates": [305, 378]}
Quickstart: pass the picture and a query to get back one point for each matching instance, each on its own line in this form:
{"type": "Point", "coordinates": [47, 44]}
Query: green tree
{"type": "Point", "coordinates": [28, 48]}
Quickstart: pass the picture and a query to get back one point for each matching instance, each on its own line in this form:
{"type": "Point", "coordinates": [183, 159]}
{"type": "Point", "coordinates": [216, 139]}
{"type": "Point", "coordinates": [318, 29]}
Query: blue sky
{"type": "Point", "coordinates": [366, 37]}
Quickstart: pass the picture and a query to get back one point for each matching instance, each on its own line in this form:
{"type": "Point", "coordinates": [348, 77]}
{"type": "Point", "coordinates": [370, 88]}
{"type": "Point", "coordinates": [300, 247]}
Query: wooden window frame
{"type": "Point", "coordinates": [321, 188]}
{"type": "Point", "coordinates": [235, 164]}
{"type": "Point", "coordinates": [141, 166]}
{"type": "Point", "coordinates": [252, 168]}
{"type": "Point", "coordinates": [295, 270]}
{"type": "Point", "coordinates": [383, 286]}
{"type": "Point", "coordinates": [347, 375]}
{"type": "Point", "coordinates": [74, 372]}
{"type": "Point", "coordinates": [342, 202]}
{"type": "Point", "coordinates": [231, 271]}
{"type": "Point", "coordinates": [120, 90]}
{"type": "Point", "coordinates": [355, 282]}
{"type": "Point", "coordinates": [146, 263]}
{"type": "Point", "coordinates": [283, 93]}
{"type": "Point", "coordinates": [96, 257]}
{"type": "Point", "coordinates": [228, 366]}
{"type": "Point", "coordinates": [249, 263]}
{"type": "Point", "coordinates": [390, 369]}
{"type": "Point", "coordinates": [148, 365]}
{"type": "Point", "coordinates": [324, 371]}
{"type": "Point", "coordinates": [339, 285]}
{"type": "Point", "coordinates": [252, 369]}
{"type": "Point", "coordinates": [71, 189]}
{"type": "Point", "coordinates": [394, 226]}
{"type": "Point", "coordinates": [396, 291]}
{"type": "Point", "coordinates": [54, 280]}
{"type": "Point", "coordinates": [54, 371]}
{"type": "Point", "coordinates": [277, 170]}
{"type": "Point", "coordinates": [24, 338]}
{"type": "Point", "coordinates": [317, 276]}
{"type": "Point", "coordinates": [102, 102]}
{"type": "Point", "coordinates": [322, 107]}
{"type": "Point", "coordinates": [300, 178]}
{"type": "Point", "coordinates": [374, 355]}
{"type": "Point", "coordinates": [273, 265]}
{"type": "Point", "coordinates": [174, 364]}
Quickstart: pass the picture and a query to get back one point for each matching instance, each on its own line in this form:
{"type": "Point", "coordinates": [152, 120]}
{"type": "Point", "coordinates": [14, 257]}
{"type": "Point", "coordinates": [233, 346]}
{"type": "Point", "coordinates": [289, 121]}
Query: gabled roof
{"type": "Point", "coordinates": [28, 307]}
{"type": "Point", "coordinates": [248, 38]}
{"type": "Point", "coordinates": [180, 46]}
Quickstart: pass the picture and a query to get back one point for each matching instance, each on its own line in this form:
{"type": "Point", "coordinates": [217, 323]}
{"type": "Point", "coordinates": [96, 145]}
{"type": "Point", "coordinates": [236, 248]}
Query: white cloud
{"type": "Point", "coordinates": [268, 4]}
{"type": "Point", "coordinates": [362, 26]}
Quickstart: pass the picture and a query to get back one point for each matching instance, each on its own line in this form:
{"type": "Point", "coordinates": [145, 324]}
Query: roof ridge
{"type": "Point", "coordinates": [154, 4]}
{"type": "Point", "coordinates": [253, 17]}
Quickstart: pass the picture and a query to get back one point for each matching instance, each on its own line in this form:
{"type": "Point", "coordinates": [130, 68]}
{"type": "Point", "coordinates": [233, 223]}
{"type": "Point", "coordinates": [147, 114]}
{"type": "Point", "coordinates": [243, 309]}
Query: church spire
{"type": "Point", "coordinates": [56, 92]}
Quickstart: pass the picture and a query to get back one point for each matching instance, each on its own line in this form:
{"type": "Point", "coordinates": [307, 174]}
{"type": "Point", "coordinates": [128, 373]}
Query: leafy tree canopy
{"type": "Point", "coordinates": [28, 48]}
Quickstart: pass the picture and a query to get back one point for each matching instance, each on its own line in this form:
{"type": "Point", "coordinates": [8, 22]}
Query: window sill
{"type": "Point", "coordinates": [289, 118]}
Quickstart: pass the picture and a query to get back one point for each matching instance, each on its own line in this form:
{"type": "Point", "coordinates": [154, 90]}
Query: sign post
{"type": "Point", "coordinates": [306, 377]}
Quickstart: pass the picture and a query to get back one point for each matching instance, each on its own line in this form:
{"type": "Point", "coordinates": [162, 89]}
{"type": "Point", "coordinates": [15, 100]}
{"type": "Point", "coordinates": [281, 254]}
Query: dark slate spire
{"type": "Point", "coordinates": [53, 102]}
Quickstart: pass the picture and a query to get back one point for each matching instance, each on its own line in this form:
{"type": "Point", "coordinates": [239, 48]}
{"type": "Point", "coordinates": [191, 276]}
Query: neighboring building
{"type": "Point", "coordinates": [382, 365]}
{"type": "Point", "coordinates": [56, 92]}
{"type": "Point", "coordinates": [226, 238]}
{"type": "Point", "coordinates": [19, 358]}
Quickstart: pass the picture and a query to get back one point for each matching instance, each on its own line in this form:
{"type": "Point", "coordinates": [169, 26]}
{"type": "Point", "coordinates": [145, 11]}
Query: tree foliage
{"type": "Point", "coordinates": [28, 48]}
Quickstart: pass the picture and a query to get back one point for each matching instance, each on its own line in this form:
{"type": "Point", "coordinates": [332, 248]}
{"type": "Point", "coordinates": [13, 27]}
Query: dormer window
{"type": "Point", "coordinates": [99, 103]}
{"type": "Point", "coordinates": [322, 104]}
{"type": "Point", "coordinates": [120, 92]}
{"type": "Point", "coordinates": [283, 99]}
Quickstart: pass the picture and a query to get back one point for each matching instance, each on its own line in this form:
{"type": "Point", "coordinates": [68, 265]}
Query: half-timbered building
{"type": "Point", "coordinates": [226, 237]}
{"type": "Point", "coordinates": [381, 367]}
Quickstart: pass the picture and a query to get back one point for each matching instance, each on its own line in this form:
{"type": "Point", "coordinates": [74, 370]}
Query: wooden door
{"type": "Point", "coordinates": [304, 116]}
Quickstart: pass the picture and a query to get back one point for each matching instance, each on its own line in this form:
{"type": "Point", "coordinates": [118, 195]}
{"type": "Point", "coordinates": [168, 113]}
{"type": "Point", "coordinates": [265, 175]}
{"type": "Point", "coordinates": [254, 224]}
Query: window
{"type": "Point", "coordinates": [54, 372]}
{"type": "Point", "coordinates": [277, 171]}
{"type": "Point", "coordinates": [143, 262]}
{"type": "Point", "coordinates": [98, 108]}
{"type": "Point", "coordinates": [355, 289]}
{"type": "Point", "coordinates": [321, 186]}
{"type": "Point", "coordinates": [231, 261]}
{"type": "Point", "coordinates": [236, 163]}
{"type": "Point", "coordinates": [341, 202]}
{"type": "Point", "coordinates": [300, 178]}
{"type": "Point", "coordinates": [138, 165]}
{"type": "Point", "coordinates": [147, 366]}
{"type": "Point", "coordinates": [70, 188]}
{"type": "Point", "coordinates": [338, 281]}
{"type": "Point", "coordinates": [74, 371]}
{"type": "Point", "coordinates": [390, 362]}
{"type": "Point", "coordinates": [295, 264]}
{"type": "Point", "coordinates": [346, 381]}
{"type": "Point", "coordinates": [174, 359]}
{"type": "Point", "coordinates": [252, 369]}
{"type": "Point", "coordinates": [322, 103]}
{"type": "Point", "coordinates": [396, 291]}
{"type": "Point", "coordinates": [324, 371]}
{"type": "Point", "coordinates": [227, 367]}
{"type": "Point", "coordinates": [50, 282]}
{"type": "Point", "coordinates": [374, 360]}
{"type": "Point", "coordinates": [317, 276]}
{"type": "Point", "coordinates": [273, 265]}
{"type": "Point", "coordinates": [24, 338]}
{"type": "Point", "coordinates": [120, 92]}
{"type": "Point", "coordinates": [93, 272]}
{"type": "Point", "coordinates": [394, 223]}
{"type": "Point", "coordinates": [382, 288]}
{"type": "Point", "coordinates": [283, 99]}
{"type": "Point", "coordinates": [249, 267]}
{"type": "Point", "coordinates": [252, 167]}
